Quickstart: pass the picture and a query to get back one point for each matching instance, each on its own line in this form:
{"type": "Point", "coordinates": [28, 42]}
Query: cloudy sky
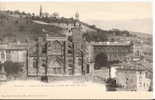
{"type": "Point", "coordinates": [133, 16]}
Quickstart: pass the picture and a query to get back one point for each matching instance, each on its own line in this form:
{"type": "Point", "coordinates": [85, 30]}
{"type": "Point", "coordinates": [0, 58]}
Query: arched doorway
{"type": "Point", "coordinates": [101, 60]}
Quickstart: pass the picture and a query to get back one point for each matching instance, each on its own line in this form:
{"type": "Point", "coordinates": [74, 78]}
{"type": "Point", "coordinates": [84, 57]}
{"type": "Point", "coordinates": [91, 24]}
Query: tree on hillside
{"type": "Point", "coordinates": [55, 14]}
{"type": "Point", "coordinates": [120, 32]}
{"type": "Point", "coordinates": [46, 14]}
{"type": "Point", "coordinates": [126, 33]}
{"type": "Point", "coordinates": [33, 14]}
{"type": "Point", "coordinates": [17, 12]}
{"type": "Point", "coordinates": [23, 13]}
{"type": "Point", "coordinates": [95, 36]}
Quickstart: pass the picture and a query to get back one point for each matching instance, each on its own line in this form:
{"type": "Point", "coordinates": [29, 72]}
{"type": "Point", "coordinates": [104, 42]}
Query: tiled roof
{"type": "Point", "coordinates": [14, 46]}
{"type": "Point", "coordinates": [111, 43]}
{"type": "Point", "coordinates": [135, 66]}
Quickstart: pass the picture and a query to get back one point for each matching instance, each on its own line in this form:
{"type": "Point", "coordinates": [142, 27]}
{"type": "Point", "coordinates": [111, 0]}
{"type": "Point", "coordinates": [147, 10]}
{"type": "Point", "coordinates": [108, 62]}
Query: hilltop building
{"type": "Point", "coordinates": [133, 77]}
{"type": "Point", "coordinates": [77, 15]}
{"type": "Point", "coordinates": [40, 12]}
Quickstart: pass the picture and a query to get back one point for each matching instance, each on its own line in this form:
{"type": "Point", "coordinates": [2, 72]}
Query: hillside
{"type": "Point", "coordinates": [143, 25]}
{"type": "Point", "coordinates": [21, 26]}
{"type": "Point", "coordinates": [144, 42]}
{"type": "Point", "coordinates": [14, 28]}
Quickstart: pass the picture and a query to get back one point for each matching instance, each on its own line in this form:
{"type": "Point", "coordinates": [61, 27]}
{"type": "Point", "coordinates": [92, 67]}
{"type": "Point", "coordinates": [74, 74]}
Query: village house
{"type": "Point", "coordinates": [12, 52]}
{"type": "Point", "coordinates": [132, 77]}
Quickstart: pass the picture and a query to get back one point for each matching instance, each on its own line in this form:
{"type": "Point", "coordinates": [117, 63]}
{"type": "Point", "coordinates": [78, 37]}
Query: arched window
{"type": "Point", "coordinates": [55, 47]}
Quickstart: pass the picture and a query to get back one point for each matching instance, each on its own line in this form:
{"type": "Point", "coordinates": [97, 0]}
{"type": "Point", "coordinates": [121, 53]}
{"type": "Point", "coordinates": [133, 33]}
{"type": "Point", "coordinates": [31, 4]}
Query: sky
{"type": "Point", "coordinates": [118, 14]}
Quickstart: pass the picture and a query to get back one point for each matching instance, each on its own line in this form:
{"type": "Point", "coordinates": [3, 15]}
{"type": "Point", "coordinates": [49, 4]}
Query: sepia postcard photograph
{"type": "Point", "coordinates": [76, 50]}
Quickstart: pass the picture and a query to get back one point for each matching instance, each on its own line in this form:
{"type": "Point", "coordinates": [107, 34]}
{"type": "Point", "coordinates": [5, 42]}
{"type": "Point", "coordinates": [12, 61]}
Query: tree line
{"type": "Point", "coordinates": [102, 36]}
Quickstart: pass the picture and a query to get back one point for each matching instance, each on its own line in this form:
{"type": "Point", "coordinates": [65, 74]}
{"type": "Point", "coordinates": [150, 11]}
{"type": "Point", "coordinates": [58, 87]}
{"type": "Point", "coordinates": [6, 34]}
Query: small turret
{"type": "Point", "coordinates": [77, 15]}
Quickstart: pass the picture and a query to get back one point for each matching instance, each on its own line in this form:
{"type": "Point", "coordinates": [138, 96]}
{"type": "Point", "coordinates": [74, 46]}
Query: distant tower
{"type": "Point", "coordinates": [40, 13]}
{"type": "Point", "coordinates": [77, 15]}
